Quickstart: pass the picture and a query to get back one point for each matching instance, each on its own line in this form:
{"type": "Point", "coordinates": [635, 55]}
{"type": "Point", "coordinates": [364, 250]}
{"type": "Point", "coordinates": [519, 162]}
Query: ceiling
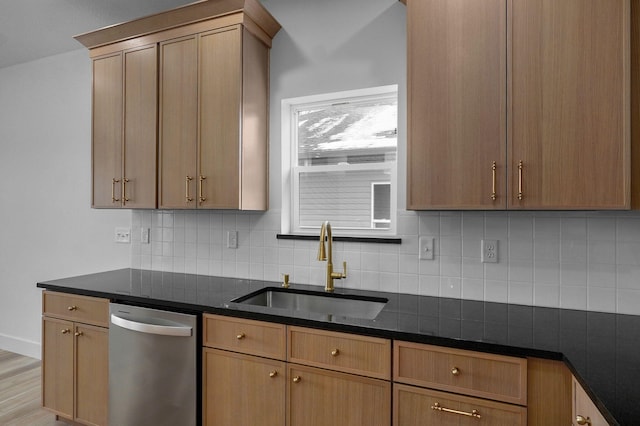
{"type": "Point", "coordinates": [33, 29]}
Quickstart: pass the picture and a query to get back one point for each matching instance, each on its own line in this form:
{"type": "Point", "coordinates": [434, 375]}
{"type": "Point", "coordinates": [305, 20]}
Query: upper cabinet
{"type": "Point", "coordinates": [519, 104]}
{"type": "Point", "coordinates": [180, 108]}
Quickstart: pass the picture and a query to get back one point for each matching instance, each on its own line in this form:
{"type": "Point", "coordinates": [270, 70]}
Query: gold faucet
{"type": "Point", "coordinates": [325, 232]}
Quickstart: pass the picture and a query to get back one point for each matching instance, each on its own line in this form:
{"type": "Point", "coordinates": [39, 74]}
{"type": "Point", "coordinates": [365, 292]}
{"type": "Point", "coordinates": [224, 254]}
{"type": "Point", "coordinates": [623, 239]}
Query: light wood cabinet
{"type": "Point", "coordinates": [124, 129]}
{"type": "Point", "coordinates": [213, 121]}
{"type": "Point", "coordinates": [584, 410]}
{"type": "Point", "coordinates": [518, 105]}
{"type": "Point", "coordinates": [75, 358]}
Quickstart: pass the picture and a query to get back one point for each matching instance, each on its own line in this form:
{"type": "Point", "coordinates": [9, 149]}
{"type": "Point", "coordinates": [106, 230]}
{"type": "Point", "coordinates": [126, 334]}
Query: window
{"type": "Point", "coordinates": [339, 162]}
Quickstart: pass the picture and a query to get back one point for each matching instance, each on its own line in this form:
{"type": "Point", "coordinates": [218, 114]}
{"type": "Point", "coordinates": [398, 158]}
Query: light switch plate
{"type": "Point", "coordinates": [426, 248]}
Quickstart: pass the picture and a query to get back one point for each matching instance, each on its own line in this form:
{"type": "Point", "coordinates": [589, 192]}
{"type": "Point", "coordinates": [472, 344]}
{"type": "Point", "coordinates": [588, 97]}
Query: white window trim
{"type": "Point", "coordinates": [289, 179]}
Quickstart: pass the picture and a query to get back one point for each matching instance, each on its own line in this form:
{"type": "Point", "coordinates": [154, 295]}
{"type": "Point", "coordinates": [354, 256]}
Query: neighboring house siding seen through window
{"type": "Point", "coordinates": [340, 162]}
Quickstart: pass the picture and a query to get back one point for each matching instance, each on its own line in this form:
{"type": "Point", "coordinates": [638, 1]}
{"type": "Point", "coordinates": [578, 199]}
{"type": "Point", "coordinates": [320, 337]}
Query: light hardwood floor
{"type": "Point", "coordinates": [20, 392]}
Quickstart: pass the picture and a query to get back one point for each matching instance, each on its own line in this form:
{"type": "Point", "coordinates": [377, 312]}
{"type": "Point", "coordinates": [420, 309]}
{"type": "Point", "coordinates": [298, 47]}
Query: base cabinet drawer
{"type": "Point", "coordinates": [418, 406]}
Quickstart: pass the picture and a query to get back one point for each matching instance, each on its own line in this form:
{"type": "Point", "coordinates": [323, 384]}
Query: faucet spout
{"type": "Point", "coordinates": [327, 254]}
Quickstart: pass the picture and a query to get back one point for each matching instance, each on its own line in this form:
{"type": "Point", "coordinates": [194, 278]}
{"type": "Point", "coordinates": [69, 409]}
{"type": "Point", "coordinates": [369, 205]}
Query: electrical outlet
{"type": "Point", "coordinates": [123, 235]}
{"type": "Point", "coordinates": [144, 235]}
{"type": "Point", "coordinates": [426, 248]}
{"type": "Point", "coordinates": [489, 251]}
{"type": "Point", "coordinates": [232, 239]}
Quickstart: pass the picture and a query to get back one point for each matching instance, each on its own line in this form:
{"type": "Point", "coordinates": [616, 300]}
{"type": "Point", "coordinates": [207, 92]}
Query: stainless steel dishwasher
{"type": "Point", "coordinates": [152, 367]}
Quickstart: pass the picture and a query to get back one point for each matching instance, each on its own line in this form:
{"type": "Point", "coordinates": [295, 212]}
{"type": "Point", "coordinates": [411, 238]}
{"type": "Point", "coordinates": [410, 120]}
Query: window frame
{"type": "Point", "coordinates": [290, 213]}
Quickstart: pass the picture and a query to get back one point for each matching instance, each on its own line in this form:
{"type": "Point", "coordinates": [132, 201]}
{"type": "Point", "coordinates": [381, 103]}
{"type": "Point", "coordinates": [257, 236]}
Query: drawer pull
{"type": "Point", "coordinates": [455, 371]}
{"type": "Point", "coordinates": [78, 333]}
{"type": "Point", "coordinates": [582, 421]}
{"type": "Point", "coordinates": [66, 331]}
{"type": "Point", "coordinates": [297, 379]}
{"type": "Point", "coordinates": [72, 308]}
{"type": "Point", "coordinates": [335, 352]}
{"type": "Point", "coordinates": [273, 374]}
{"type": "Point", "coordinates": [474, 413]}
{"type": "Point", "coordinates": [240, 336]}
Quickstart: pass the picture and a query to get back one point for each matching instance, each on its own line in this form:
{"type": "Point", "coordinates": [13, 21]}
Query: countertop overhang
{"type": "Point", "coordinates": [601, 349]}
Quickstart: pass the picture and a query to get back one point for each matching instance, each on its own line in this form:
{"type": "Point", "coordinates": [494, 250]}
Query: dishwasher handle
{"type": "Point", "coordinates": [165, 330]}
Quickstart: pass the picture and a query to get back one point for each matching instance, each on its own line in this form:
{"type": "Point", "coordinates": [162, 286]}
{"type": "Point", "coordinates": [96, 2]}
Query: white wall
{"type": "Point", "coordinates": [575, 260]}
{"type": "Point", "coordinates": [48, 229]}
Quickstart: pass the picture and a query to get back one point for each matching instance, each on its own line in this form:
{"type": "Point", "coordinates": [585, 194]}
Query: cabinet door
{"type": "Point", "coordinates": [569, 104]}
{"type": "Point", "coordinates": [457, 104]}
{"type": "Point", "coordinates": [242, 390]}
{"type": "Point", "coordinates": [323, 397]}
{"type": "Point", "coordinates": [107, 131]}
{"type": "Point", "coordinates": [220, 107]}
{"type": "Point", "coordinates": [178, 123]}
{"type": "Point", "coordinates": [584, 407]}
{"type": "Point", "coordinates": [57, 366]}
{"type": "Point", "coordinates": [418, 406]}
{"type": "Point", "coordinates": [140, 117]}
{"type": "Point", "coordinates": [91, 375]}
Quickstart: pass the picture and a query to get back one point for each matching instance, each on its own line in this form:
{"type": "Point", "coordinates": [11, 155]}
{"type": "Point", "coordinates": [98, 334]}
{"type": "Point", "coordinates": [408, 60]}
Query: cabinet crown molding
{"type": "Point", "coordinates": [189, 14]}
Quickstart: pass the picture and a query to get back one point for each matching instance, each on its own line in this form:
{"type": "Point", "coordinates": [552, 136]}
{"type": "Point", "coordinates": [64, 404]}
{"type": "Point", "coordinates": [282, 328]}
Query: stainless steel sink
{"type": "Point", "coordinates": [341, 305]}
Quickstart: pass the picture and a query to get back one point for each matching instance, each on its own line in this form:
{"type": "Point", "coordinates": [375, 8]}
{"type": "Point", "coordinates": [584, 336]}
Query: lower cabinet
{"type": "Point", "coordinates": [75, 367]}
{"type": "Point", "coordinates": [418, 406]}
{"type": "Point", "coordinates": [583, 409]}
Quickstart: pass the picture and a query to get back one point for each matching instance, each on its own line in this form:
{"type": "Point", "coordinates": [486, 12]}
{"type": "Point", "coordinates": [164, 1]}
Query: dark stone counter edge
{"type": "Point", "coordinates": [355, 329]}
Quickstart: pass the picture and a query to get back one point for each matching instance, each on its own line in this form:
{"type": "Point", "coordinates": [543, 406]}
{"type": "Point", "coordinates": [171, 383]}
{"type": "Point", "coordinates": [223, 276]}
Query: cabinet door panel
{"type": "Point", "coordinates": [220, 107]}
{"type": "Point", "coordinates": [92, 375]}
{"type": "Point", "coordinates": [178, 122]}
{"type": "Point", "coordinates": [107, 131]}
{"type": "Point", "coordinates": [324, 397]}
{"type": "Point", "coordinates": [242, 390]}
{"type": "Point", "coordinates": [457, 104]}
{"type": "Point", "coordinates": [140, 104]}
{"type": "Point", "coordinates": [57, 366]}
{"type": "Point", "coordinates": [415, 406]}
{"type": "Point", "coordinates": [569, 104]}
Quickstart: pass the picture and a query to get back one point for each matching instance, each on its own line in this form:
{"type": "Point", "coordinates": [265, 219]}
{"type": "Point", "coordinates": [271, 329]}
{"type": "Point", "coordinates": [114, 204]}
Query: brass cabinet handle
{"type": "Point", "coordinates": [474, 413]}
{"type": "Point", "coordinates": [273, 374]}
{"type": "Point", "coordinates": [520, 167]}
{"type": "Point", "coordinates": [72, 308]}
{"type": "Point", "coordinates": [66, 331]}
{"type": "Point", "coordinates": [200, 197]}
{"type": "Point", "coordinates": [113, 190]}
{"type": "Point", "coordinates": [493, 184]}
{"type": "Point", "coordinates": [582, 421]}
{"type": "Point", "coordinates": [124, 190]}
{"type": "Point", "coordinates": [186, 189]}
{"type": "Point", "coordinates": [335, 352]}
{"type": "Point", "coordinates": [78, 333]}
{"type": "Point", "coordinates": [240, 336]}
{"type": "Point", "coordinates": [297, 379]}
{"type": "Point", "coordinates": [455, 371]}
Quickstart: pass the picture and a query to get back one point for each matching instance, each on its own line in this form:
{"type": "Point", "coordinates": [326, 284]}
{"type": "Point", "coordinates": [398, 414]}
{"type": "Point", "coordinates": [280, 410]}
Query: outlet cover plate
{"type": "Point", "coordinates": [123, 235]}
{"type": "Point", "coordinates": [489, 251]}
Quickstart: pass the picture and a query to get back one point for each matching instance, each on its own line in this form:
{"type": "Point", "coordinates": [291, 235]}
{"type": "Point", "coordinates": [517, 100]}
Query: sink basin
{"type": "Point", "coordinates": [350, 306]}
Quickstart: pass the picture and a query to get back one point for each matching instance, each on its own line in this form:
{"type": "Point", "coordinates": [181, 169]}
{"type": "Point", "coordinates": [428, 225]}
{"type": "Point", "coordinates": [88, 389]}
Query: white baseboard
{"type": "Point", "coordinates": [20, 346]}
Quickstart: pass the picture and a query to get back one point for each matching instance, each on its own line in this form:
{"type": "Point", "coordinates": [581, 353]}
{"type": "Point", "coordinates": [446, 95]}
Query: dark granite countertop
{"type": "Point", "coordinates": [601, 349]}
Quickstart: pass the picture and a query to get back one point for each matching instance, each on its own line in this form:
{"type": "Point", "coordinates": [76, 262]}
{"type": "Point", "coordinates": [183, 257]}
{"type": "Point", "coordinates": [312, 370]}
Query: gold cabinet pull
{"type": "Point", "coordinates": [113, 190]}
{"type": "Point", "coordinates": [582, 421]}
{"type": "Point", "coordinates": [240, 336]}
{"type": "Point", "coordinates": [455, 371]}
{"type": "Point", "coordinates": [520, 167]}
{"type": "Point", "coordinates": [273, 374]}
{"type": "Point", "coordinates": [297, 379]}
{"type": "Point", "coordinates": [72, 308]}
{"type": "Point", "coordinates": [124, 190]}
{"type": "Point", "coordinates": [66, 331]}
{"type": "Point", "coordinates": [335, 352]}
{"type": "Point", "coordinates": [200, 197]}
{"type": "Point", "coordinates": [186, 189]}
{"type": "Point", "coordinates": [493, 184]}
{"type": "Point", "coordinates": [78, 333]}
{"type": "Point", "coordinates": [474, 413]}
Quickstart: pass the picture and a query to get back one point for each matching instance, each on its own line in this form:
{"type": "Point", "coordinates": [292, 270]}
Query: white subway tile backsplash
{"type": "Point", "coordinates": [574, 260]}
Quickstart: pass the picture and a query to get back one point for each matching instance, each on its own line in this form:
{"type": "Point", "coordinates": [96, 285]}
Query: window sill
{"type": "Point", "coordinates": [373, 240]}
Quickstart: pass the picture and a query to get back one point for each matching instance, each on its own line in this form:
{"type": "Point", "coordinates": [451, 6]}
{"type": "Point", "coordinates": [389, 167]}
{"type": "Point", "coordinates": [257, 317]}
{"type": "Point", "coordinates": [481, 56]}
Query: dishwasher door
{"type": "Point", "coordinates": [152, 367]}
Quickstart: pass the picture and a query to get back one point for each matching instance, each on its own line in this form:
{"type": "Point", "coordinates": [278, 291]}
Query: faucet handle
{"type": "Point", "coordinates": [344, 269]}
{"type": "Point", "coordinates": [285, 280]}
